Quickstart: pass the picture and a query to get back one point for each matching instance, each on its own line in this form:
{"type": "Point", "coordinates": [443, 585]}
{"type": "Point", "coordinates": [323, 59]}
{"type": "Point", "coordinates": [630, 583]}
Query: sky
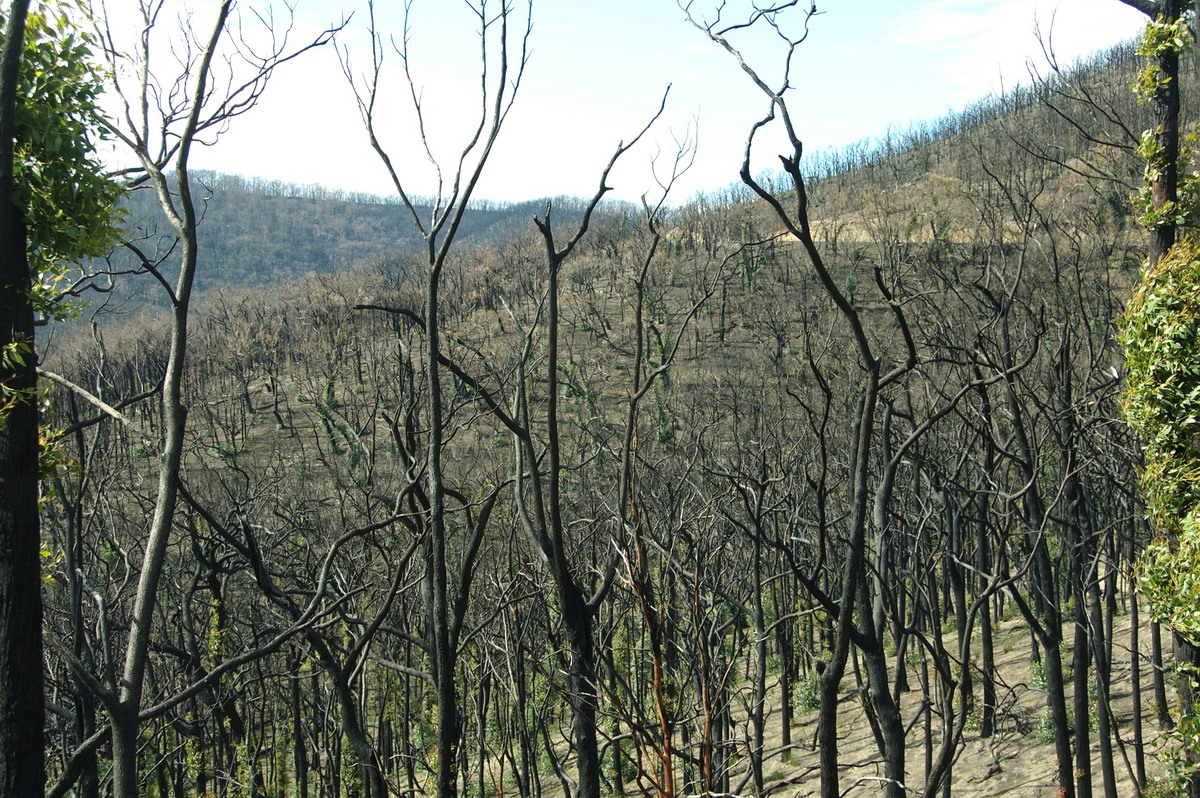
{"type": "Point", "coordinates": [598, 70]}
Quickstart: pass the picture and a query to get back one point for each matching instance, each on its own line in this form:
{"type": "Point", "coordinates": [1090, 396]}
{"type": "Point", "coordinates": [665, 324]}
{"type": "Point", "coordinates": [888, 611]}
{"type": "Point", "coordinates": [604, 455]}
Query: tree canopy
{"type": "Point", "coordinates": [1161, 338]}
{"type": "Point", "coordinates": [1160, 333]}
{"type": "Point", "coordinates": [70, 203]}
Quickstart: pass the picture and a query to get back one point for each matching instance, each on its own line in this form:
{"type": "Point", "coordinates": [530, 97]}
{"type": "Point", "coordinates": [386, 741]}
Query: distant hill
{"type": "Point", "coordinates": [258, 233]}
{"type": "Point", "coordinates": [706, 437]}
{"type": "Point", "coordinates": [261, 234]}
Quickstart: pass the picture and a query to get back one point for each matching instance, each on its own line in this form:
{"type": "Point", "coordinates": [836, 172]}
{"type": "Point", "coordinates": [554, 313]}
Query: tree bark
{"type": "Point", "coordinates": [1165, 721]}
{"type": "Point", "coordinates": [1135, 696]}
{"type": "Point", "coordinates": [1187, 667]}
{"type": "Point", "coordinates": [1165, 107]}
{"type": "Point", "coordinates": [22, 764]}
{"type": "Point", "coordinates": [444, 656]}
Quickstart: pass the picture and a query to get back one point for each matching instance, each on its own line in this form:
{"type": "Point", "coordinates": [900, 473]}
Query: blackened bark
{"type": "Point", "coordinates": [1165, 109]}
{"type": "Point", "coordinates": [1104, 724]}
{"type": "Point", "coordinates": [356, 735]}
{"type": "Point", "coordinates": [22, 767]}
{"type": "Point", "coordinates": [786, 652]}
{"type": "Point", "coordinates": [1045, 616]}
{"type": "Point", "coordinates": [1055, 693]}
{"type": "Point", "coordinates": [853, 573]}
{"type": "Point", "coordinates": [1187, 667]}
{"type": "Point", "coordinates": [84, 700]}
{"type": "Point", "coordinates": [1164, 189]}
{"type": "Point", "coordinates": [758, 718]}
{"type": "Point", "coordinates": [984, 565]}
{"type": "Point", "coordinates": [299, 749]}
{"type": "Point", "coordinates": [1050, 636]}
{"type": "Point", "coordinates": [581, 686]}
{"type": "Point", "coordinates": [1080, 653]}
{"type": "Point", "coordinates": [1135, 698]}
{"type": "Point", "coordinates": [577, 616]}
{"type": "Point", "coordinates": [1163, 180]}
{"type": "Point", "coordinates": [1160, 687]}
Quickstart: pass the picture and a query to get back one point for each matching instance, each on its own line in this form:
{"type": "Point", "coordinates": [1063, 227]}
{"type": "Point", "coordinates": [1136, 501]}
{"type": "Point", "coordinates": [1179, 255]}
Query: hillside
{"type": "Point", "coordinates": [260, 234]}
{"type": "Point", "coordinates": [263, 235]}
{"type": "Point", "coordinates": [607, 525]}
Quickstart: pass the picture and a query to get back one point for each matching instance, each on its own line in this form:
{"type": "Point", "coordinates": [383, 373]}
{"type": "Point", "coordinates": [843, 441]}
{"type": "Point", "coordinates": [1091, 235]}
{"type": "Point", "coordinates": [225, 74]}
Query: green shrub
{"type": "Point", "coordinates": [808, 693]}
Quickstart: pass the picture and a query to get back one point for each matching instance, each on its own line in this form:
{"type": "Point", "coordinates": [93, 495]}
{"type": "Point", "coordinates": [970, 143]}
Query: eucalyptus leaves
{"type": "Point", "coordinates": [1160, 333]}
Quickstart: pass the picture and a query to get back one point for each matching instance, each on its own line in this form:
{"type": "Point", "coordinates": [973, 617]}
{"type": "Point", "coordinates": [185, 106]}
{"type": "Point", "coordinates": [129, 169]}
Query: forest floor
{"type": "Point", "coordinates": [1018, 760]}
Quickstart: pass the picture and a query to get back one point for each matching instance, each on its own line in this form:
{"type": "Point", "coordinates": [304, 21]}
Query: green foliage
{"type": "Point", "coordinates": [50, 563]}
{"type": "Point", "coordinates": [667, 426]}
{"type": "Point", "coordinates": [223, 450]}
{"type": "Point", "coordinates": [577, 386]}
{"type": "Point", "coordinates": [850, 289]}
{"type": "Point", "coordinates": [1169, 575]}
{"type": "Point", "coordinates": [1177, 752]}
{"type": "Point", "coordinates": [1162, 787]}
{"type": "Point", "coordinates": [13, 357]}
{"type": "Point", "coordinates": [808, 693]}
{"type": "Point", "coordinates": [1148, 84]}
{"type": "Point", "coordinates": [1037, 674]}
{"type": "Point", "coordinates": [52, 461]}
{"type": "Point", "coordinates": [1160, 333]}
{"type": "Point", "coordinates": [1046, 731]}
{"type": "Point", "coordinates": [71, 206]}
{"type": "Point", "coordinates": [218, 639]}
{"type": "Point", "coordinates": [1161, 38]}
{"type": "Point", "coordinates": [1184, 211]}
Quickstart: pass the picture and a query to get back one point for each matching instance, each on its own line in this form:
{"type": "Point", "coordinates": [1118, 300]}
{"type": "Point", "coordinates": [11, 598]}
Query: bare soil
{"type": "Point", "coordinates": [1018, 760]}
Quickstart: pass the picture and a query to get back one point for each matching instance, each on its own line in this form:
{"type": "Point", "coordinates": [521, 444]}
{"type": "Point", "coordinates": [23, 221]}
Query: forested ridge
{"type": "Point", "coordinates": [267, 233]}
{"type": "Point", "coordinates": [619, 500]}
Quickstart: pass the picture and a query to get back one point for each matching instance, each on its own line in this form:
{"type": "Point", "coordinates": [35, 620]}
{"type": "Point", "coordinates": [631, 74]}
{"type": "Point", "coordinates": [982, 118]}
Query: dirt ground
{"type": "Point", "coordinates": [1016, 761]}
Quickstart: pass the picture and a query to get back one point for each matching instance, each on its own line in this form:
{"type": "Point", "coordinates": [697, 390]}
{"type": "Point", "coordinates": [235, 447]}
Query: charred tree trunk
{"type": "Point", "coordinates": [1165, 721]}
{"type": "Point", "coordinates": [1135, 697]}
{"type": "Point", "coordinates": [22, 764]}
{"type": "Point", "coordinates": [1187, 666]}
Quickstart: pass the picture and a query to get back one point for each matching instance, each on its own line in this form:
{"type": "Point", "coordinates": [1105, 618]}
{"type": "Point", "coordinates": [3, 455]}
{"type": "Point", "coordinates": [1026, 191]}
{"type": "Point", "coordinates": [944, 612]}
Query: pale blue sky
{"type": "Point", "coordinates": [599, 68]}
